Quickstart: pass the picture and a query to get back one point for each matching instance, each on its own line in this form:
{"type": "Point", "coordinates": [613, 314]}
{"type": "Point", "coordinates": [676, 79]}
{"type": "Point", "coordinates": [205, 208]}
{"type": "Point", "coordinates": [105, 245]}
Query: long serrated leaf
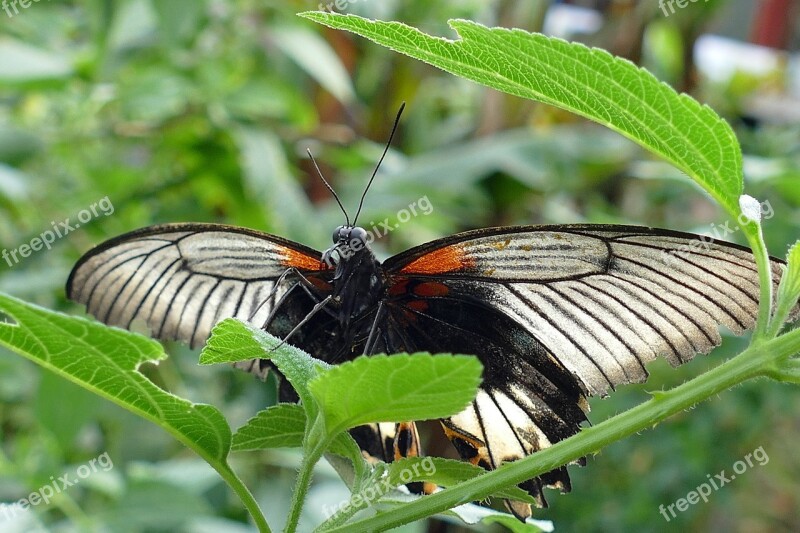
{"type": "Point", "coordinates": [395, 388]}
{"type": "Point", "coordinates": [105, 361]}
{"type": "Point", "coordinates": [586, 81]}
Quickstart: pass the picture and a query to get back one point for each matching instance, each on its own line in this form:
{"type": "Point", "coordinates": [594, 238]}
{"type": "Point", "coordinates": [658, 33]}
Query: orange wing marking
{"type": "Point", "coordinates": [448, 259]}
{"type": "Point", "coordinates": [301, 261]}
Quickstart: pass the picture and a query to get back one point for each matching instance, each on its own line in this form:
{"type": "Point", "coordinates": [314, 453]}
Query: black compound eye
{"type": "Point", "coordinates": [337, 234]}
{"type": "Point", "coordinates": [359, 234]}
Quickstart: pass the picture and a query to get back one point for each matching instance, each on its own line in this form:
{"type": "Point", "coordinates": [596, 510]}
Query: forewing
{"type": "Point", "coordinates": [181, 279]}
{"type": "Point", "coordinates": [604, 300]}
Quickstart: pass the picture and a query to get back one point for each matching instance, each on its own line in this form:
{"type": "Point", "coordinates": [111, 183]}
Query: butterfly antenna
{"type": "Point", "coordinates": [385, 150]}
{"type": "Point", "coordinates": [328, 185]}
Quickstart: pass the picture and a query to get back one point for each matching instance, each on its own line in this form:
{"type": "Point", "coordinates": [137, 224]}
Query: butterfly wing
{"type": "Point", "coordinates": [559, 312]}
{"type": "Point", "coordinates": [181, 279]}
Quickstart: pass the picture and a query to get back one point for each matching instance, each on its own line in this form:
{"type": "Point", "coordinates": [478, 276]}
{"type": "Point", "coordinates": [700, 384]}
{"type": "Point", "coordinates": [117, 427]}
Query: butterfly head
{"type": "Point", "coordinates": [347, 241]}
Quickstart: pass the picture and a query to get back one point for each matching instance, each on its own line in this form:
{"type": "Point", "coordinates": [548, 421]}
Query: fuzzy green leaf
{"type": "Point", "coordinates": [395, 388]}
{"type": "Point", "coordinates": [279, 426]}
{"type": "Point", "coordinates": [586, 81]}
{"type": "Point", "coordinates": [232, 341]}
{"type": "Point", "coordinates": [105, 361]}
{"type": "Point", "coordinates": [283, 426]}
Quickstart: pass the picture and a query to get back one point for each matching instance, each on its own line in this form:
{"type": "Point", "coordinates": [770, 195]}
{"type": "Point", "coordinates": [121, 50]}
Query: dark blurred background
{"type": "Point", "coordinates": [201, 110]}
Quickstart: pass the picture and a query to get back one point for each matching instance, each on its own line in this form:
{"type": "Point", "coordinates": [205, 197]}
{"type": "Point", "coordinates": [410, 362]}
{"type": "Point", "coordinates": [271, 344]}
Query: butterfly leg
{"type": "Point", "coordinates": [406, 437]}
{"type": "Point", "coordinates": [303, 282]}
{"type": "Point", "coordinates": [316, 309]}
{"type": "Point", "coordinates": [369, 347]}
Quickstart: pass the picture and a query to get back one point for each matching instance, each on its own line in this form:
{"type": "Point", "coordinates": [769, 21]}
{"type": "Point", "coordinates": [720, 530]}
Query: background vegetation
{"type": "Point", "coordinates": [189, 110]}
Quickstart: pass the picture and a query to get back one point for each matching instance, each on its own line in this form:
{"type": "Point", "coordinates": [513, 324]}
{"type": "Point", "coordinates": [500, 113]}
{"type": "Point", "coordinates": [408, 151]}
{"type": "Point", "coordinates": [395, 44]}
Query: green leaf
{"type": "Point", "coordinates": [232, 341]}
{"type": "Point", "coordinates": [445, 472]}
{"type": "Point", "coordinates": [788, 289]}
{"type": "Point", "coordinates": [586, 81]}
{"type": "Point", "coordinates": [279, 426]}
{"type": "Point", "coordinates": [283, 426]}
{"type": "Point", "coordinates": [395, 388]}
{"type": "Point", "coordinates": [105, 361]}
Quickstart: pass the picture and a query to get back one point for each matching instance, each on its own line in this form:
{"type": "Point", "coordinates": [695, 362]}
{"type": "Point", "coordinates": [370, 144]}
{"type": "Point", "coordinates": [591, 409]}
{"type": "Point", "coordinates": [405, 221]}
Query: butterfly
{"type": "Point", "coordinates": [555, 313]}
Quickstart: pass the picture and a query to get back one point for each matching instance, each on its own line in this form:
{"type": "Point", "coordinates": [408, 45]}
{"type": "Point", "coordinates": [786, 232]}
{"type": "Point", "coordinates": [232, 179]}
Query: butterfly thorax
{"type": "Point", "coordinates": [358, 283]}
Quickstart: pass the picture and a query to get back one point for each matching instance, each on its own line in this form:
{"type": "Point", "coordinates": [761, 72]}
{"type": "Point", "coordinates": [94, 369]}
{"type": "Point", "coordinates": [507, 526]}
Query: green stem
{"type": "Point", "coordinates": [758, 359]}
{"type": "Point", "coordinates": [244, 494]}
{"type": "Point", "coordinates": [786, 302]}
{"type": "Point", "coordinates": [756, 240]}
{"type": "Point", "coordinates": [340, 517]}
{"type": "Point", "coordinates": [317, 441]}
{"type": "Point", "coordinates": [785, 346]}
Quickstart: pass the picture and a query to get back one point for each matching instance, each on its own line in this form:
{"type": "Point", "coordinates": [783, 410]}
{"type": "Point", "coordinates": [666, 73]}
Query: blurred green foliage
{"type": "Point", "coordinates": [201, 110]}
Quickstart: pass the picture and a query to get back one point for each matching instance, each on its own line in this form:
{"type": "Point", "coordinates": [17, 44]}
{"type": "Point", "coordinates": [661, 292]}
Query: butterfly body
{"type": "Point", "coordinates": [358, 282]}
